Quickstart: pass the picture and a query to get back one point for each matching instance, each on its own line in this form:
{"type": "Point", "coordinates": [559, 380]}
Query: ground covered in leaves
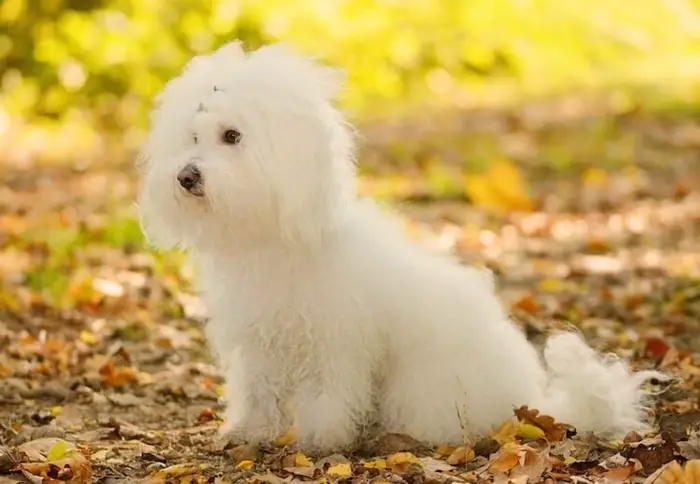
{"type": "Point", "coordinates": [105, 377]}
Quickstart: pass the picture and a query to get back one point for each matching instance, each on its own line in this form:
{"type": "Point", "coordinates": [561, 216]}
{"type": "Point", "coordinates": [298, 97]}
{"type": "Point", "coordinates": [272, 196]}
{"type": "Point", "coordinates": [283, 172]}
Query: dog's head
{"type": "Point", "coordinates": [245, 148]}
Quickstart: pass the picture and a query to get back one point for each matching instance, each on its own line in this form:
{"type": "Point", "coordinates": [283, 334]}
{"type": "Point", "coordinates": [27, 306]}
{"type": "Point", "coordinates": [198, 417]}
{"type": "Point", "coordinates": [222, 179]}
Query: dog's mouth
{"type": "Point", "coordinates": [190, 179]}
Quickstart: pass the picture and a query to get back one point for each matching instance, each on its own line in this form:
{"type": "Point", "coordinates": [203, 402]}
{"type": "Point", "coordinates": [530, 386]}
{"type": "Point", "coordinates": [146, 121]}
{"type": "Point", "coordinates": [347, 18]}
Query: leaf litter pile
{"type": "Point", "coordinates": [104, 372]}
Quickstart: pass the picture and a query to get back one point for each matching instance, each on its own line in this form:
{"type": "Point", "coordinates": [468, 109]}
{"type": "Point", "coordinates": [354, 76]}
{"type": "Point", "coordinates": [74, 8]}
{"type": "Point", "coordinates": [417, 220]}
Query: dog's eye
{"type": "Point", "coordinates": [231, 137]}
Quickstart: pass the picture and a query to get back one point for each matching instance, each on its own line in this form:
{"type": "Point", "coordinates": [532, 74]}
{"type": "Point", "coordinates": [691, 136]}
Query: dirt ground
{"type": "Point", "coordinates": [105, 376]}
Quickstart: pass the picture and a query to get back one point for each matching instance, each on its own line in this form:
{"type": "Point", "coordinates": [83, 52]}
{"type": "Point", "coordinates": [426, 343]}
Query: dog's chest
{"type": "Point", "coordinates": [284, 308]}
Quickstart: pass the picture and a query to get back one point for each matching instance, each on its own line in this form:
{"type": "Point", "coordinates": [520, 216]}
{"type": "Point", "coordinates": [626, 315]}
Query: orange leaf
{"type": "Point", "coordinates": [206, 415]}
{"type": "Point", "coordinates": [505, 462]}
{"type": "Point", "coordinates": [116, 376]}
{"type": "Point", "coordinates": [527, 304]}
{"type": "Point", "coordinates": [553, 431]}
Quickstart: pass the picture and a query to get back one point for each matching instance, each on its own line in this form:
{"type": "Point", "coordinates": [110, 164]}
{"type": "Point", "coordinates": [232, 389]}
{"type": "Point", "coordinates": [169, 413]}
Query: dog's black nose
{"type": "Point", "coordinates": [189, 176]}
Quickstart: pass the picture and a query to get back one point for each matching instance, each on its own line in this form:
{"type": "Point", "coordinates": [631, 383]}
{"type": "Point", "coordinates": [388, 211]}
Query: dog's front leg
{"type": "Point", "coordinates": [333, 408]}
{"type": "Point", "coordinates": [256, 406]}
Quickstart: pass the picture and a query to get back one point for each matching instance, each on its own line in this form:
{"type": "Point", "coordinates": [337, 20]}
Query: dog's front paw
{"type": "Point", "coordinates": [250, 433]}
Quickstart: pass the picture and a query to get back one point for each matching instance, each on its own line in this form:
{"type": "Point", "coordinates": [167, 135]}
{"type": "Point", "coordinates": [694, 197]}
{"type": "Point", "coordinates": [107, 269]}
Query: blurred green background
{"type": "Point", "coordinates": [78, 76]}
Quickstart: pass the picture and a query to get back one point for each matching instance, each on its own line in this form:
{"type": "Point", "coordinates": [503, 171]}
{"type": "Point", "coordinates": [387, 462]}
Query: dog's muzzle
{"type": "Point", "coordinates": [190, 178]}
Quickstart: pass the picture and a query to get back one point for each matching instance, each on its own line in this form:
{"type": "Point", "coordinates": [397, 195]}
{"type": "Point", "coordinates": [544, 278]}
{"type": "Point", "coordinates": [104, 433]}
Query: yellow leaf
{"type": "Point", "coordinates": [87, 337]}
{"type": "Point", "coordinates": [55, 411]}
{"type": "Point", "coordinates": [506, 433]}
{"type": "Point", "coordinates": [245, 465]}
{"type": "Point", "coordinates": [375, 464]}
{"type": "Point", "coordinates": [530, 432]}
{"type": "Point", "coordinates": [58, 451]}
{"type": "Point", "coordinates": [675, 474]}
{"type": "Point", "coordinates": [402, 461]}
{"type": "Point", "coordinates": [500, 188]}
{"type": "Point", "coordinates": [340, 470]}
{"type": "Point", "coordinates": [551, 285]}
{"type": "Point", "coordinates": [287, 439]}
{"type": "Point", "coordinates": [461, 455]}
{"type": "Point", "coordinates": [445, 450]}
{"type": "Point", "coordinates": [179, 470]}
{"type": "Point", "coordinates": [99, 455]}
{"type": "Point", "coordinates": [595, 176]}
{"type": "Point", "coordinates": [300, 460]}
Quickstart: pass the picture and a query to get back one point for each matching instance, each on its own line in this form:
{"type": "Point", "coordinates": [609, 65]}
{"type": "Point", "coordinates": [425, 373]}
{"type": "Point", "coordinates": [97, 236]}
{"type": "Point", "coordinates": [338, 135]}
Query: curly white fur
{"type": "Point", "coordinates": [322, 312]}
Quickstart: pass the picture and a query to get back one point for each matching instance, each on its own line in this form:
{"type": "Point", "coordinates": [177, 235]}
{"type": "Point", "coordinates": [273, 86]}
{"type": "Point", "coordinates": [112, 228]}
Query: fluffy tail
{"type": "Point", "coordinates": [594, 393]}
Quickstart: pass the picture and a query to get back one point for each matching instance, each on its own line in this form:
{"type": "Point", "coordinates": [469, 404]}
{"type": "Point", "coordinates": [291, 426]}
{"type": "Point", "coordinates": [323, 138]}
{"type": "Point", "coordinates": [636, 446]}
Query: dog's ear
{"type": "Point", "coordinates": [281, 60]}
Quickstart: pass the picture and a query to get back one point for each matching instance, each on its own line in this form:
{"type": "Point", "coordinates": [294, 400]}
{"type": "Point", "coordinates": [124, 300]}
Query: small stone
{"type": "Point", "coordinates": [48, 431]}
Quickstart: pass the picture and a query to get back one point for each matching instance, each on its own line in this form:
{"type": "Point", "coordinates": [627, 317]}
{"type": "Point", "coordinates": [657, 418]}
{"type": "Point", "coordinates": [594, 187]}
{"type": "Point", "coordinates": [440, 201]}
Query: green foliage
{"type": "Point", "coordinates": [102, 61]}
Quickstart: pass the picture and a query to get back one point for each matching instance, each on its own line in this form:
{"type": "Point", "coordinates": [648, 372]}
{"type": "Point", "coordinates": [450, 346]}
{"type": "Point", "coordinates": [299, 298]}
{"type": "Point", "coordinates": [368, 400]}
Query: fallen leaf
{"type": "Point", "coordinates": [500, 188]}
{"type": "Point", "coordinates": [287, 439]}
{"type": "Point", "coordinates": [245, 465]}
{"type": "Point", "coordinates": [675, 474]}
{"type": "Point", "coordinates": [75, 469]}
{"type": "Point", "coordinates": [88, 337]}
{"type": "Point", "coordinates": [179, 470]}
{"type": "Point", "coordinates": [506, 433]}
{"type": "Point", "coordinates": [505, 462]}
{"type": "Point", "coordinates": [340, 470]}
{"type": "Point", "coordinates": [58, 451]}
{"type": "Point", "coordinates": [436, 465]}
{"type": "Point", "coordinates": [301, 460]}
{"type": "Point", "coordinates": [527, 304]}
{"type": "Point", "coordinates": [620, 474]}
{"type": "Point", "coordinates": [116, 376]}
{"type": "Point", "coordinates": [652, 453]}
{"type": "Point", "coordinates": [530, 432]}
{"type": "Point", "coordinates": [206, 415]}
{"type": "Point", "coordinates": [461, 455]}
{"type": "Point", "coordinates": [39, 449]}
{"type": "Point", "coordinates": [445, 450]}
{"type": "Point", "coordinates": [401, 462]}
{"type": "Point", "coordinates": [553, 431]}
{"type": "Point", "coordinates": [375, 464]}
{"type": "Point", "coordinates": [532, 464]}
{"type": "Point", "coordinates": [656, 347]}
{"type": "Point", "coordinates": [308, 472]}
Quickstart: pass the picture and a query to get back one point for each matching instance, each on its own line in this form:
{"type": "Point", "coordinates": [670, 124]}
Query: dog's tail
{"type": "Point", "coordinates": [594, 393]}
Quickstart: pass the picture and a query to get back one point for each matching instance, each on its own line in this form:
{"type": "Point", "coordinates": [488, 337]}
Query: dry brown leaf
{"type": "Point", "coordinates": [620, 474]}
{"type": "Point", "coordinates": [653, 453]}
{"type": "Point", "coordinates": [532, 464]}
{"type": "Point", "coordinates": [308, 472]}
{"type": "Point", "coordinates": [553, 430]}
{"type": "Point", "coordinates": [74, 468]}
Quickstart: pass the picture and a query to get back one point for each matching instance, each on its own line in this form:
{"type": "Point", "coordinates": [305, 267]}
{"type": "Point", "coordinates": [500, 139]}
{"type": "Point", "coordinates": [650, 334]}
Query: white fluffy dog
{"type": "Point", "coordinates": [323, 314]}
